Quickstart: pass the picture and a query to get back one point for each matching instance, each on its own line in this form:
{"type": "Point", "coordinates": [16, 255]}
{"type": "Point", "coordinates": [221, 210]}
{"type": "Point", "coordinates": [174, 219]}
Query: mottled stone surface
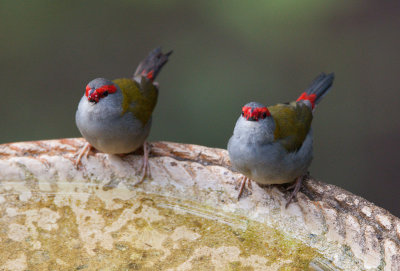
{"type": "Point", "coordinates": [187, 217]}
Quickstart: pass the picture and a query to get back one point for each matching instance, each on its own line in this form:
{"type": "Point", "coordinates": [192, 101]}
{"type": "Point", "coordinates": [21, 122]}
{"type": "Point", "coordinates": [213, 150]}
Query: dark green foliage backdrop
{"type": "Point", "coordinates": [227, 53]}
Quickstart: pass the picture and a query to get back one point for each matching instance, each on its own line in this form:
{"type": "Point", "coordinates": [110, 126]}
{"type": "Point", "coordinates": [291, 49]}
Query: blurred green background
{"type": "Point", "coordinates": [226, 53]}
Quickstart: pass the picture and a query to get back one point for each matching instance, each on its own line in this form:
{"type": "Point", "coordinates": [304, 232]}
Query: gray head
{"type": "Point", "coordinates": [255, 123]}
{"type": "Point", "coordinates": [99, 88]}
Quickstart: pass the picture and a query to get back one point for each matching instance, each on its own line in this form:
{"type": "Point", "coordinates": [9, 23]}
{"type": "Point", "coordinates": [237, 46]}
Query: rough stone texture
{"type": "Point", "coordinates": [348, 231]}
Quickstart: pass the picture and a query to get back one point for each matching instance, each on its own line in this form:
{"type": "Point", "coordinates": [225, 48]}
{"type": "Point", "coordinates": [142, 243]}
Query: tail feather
{"type": "Point", "coordinates": [152, 64]}
{"type": "Point", "coordinates": [318, 89]}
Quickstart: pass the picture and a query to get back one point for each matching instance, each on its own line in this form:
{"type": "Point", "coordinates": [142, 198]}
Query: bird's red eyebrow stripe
{"type": "Point", "coordinates": [109, 88]}
{"type": "Point", "coordinates": [87, 90]}
{"type": "Point", "coordinates": [255, 113]}
{"type": "Point", "coordinates": [246, 110]}
{"type": "Point", "coordinates": [100, 90]}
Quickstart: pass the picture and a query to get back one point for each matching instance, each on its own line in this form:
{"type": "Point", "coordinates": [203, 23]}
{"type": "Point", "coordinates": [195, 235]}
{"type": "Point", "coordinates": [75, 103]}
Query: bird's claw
{"type": "Point", "coordinates": [296, 188]}
{"type": "Point", "coordinates": [243, 180]}
{"type": "Point", "coordinates": [83, 152]}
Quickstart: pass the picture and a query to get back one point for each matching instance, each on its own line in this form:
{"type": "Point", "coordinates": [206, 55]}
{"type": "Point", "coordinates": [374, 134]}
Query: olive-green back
{"type": "Point", "coordinates": [139, 99]}
{"type": "Point", "coordinates": [293, 122]}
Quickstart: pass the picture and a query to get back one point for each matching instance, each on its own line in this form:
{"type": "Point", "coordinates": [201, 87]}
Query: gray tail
{"type": "Point", "coordinates": [152, 64]}
{"type": "Point", "coordinates": [320, 87]}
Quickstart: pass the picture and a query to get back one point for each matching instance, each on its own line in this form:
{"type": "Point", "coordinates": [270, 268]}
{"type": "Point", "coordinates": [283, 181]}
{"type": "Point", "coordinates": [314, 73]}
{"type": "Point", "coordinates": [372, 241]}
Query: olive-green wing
{"type": "Point", "coordinates": [293, 122]}
{"type": "Point", "coordinates": [139, 99]}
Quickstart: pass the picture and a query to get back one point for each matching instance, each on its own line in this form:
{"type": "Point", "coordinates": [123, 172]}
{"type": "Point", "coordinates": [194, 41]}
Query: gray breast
{"type": "Point", "coordinates": [255, 154]}
{"type": "Point", "coordinates": [106, 129]}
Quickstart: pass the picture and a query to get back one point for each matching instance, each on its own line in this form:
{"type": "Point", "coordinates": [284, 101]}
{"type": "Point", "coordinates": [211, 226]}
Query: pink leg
{"type": "Point", "coordinates": [146, 166]}
{"type": "Point", "coordinates": [243, 180]}
{"type": "Point", "coordinates": [296, 187]}
{"type": "Point", "coordinates": [83, 152]}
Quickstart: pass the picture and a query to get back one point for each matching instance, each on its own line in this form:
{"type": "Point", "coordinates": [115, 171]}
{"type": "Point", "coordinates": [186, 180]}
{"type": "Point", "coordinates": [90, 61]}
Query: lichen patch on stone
{"type": "Point", "coordinates": [134, 230]}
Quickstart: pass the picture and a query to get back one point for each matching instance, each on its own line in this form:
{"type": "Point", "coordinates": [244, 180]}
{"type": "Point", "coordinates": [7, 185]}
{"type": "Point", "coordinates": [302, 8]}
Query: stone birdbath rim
{"type": "Point", "coordinates": [352, 233]}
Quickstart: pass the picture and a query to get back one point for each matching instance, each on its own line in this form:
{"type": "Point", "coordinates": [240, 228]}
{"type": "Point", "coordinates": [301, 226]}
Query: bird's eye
{"type": "Point", "coordinates": [242, 114]}
{"type": "Point", "coordinates": [105, 93]}
{"type": "Point", "coordinates": [264, 115]}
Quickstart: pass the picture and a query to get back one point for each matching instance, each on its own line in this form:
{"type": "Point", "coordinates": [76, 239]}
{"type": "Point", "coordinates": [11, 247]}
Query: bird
{"type": "Point", "coordinates": [115, 116]}
{"type": "Point", "coordinates": [274, 144]}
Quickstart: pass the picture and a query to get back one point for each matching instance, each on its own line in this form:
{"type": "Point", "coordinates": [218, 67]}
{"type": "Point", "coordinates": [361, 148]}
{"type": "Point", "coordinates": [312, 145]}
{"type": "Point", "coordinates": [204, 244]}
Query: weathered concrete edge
{"type": "Point", "coordinates": [371, 233]}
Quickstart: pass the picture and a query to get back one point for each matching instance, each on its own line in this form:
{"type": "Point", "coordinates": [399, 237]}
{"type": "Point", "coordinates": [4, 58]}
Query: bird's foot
{"type": "Point", "coordinates": [83, 152]}
{"type": "Point", "coordinates": [292, 186]}
{"type": "Point", "coordinates": [296, 187]}
{"type": "Point", "coordinates": [146, 167]}
{"type": "Point", "coordinates": [243, 180]}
